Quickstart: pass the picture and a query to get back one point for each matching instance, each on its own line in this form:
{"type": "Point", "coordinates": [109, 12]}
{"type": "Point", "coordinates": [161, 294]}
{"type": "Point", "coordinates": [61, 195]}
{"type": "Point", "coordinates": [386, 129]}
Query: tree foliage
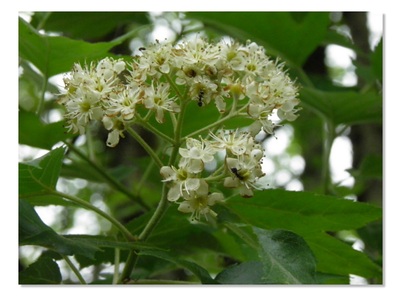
{"type": "Point", "coordinates": [278, 236]}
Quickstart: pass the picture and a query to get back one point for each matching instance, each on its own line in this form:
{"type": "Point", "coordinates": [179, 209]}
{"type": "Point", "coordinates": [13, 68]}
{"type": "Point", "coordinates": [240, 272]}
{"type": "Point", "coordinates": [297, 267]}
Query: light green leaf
{"type": "Point", "coordinates": [286, 258]}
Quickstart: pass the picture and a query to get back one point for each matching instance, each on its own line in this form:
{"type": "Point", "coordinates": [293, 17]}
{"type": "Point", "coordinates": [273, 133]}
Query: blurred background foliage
{"type": "Point", "coordinates": [341, 104]}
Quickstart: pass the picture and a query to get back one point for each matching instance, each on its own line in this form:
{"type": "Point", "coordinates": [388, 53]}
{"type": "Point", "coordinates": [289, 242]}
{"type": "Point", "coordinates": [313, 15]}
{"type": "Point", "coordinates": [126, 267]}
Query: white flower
{"type": "Point", "coordinates": [181, 181]}
{"type": "Point", "coordinates": [108, 68]}
{"type": "Point", "coordinates": [287, 111]}
{"type": "Point", "coordinates": [196, 154]}
{"type": "Point", "coordinates": [196, 52]}
{"type": "Point", "coordinates": [245, 171]}
{"type": "Point", "coordinates": [198, 202]}
{"type": "Point", "coordinates": [262, 114]}
{"type": "Point", "coordinates": [233, 141]}
{"type": "Point", "coordinates": [82, 109]}
{"type": "Point", "coordinates": [116, 128]}
{"type": "Point", "coordinates": [155, 59]}
{"type": "Point", "coordinates": [157, 98]}
{"type": "Point", "coordinates": [124, 103]}
{"type": "Point", "coordinates": [87, 89]}
{"type": "Point", "coordinates": [233, 55]}
{"type": "Point", "coordinates": [202, 90]}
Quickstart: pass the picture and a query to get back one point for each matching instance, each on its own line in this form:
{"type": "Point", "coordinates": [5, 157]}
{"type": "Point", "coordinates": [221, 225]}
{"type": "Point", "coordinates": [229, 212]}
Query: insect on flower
{"type": "Point", "coordinates": [235, 171]}
{"type": "Point", "coordinates": [200, 98]}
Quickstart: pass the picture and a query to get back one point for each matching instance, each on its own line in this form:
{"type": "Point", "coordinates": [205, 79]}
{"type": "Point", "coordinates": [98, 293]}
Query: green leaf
{"type": "Point", "coordinates": [302, 212]}
{"type": "Point", "coordinates": [370, 168]}
{"type": "Point", "coordinates": [32, 231]}
{"type": "Point", "coordinates": [332, 279]}
{"type": "Point", "coordinates": [196, 269]}
{"type": "Point", "coordinates": [43, 271]}
{"type": "Point", "coordinates": [39, 176]}
{"type": "Point", "coordinates": [46, 135]}
{"type": "Point", "coordinates": [346, 107]}
{"type": "Point", "coordinates": [88, 25]}
{"type": "Point", "coordinates": [55, 54]}
{"type": "Point", "coordinates": [337, 257]}
{"type": "Point", "coordinates": [99, 241]}
{"type": "Point", "coordinates": [284, 34]}
{"type": "Point", "coordinates": [310, 215]}
{"type": "Point", "coordinates": [286, 258]}
{"type": "Point", "coordinates": [105, 248]}
{"type": "Point", "coordinates": [174, 231]}
{"type": "Point", "coordinates": [377, 60]}
{"type": "Point", "coordinates": [249, 273]}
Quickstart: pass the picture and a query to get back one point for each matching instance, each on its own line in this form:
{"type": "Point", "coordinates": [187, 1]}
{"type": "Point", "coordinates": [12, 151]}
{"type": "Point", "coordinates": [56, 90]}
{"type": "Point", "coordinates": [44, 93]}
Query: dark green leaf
{"type": "Point", "coordinates": [286, 258]}
{"type": "Point", "coordinates": [291, 36]}
{"type": "Point", "coordinates": [99, 241]}
{"type": "Point", "coordinates": [80, 169]}
{"type": "Point", "coordinates": [334, 37]}
{"type": "Point", "coordinates": [332, 279]}
{"type": "Point", "coordinates": [39, 176]}
{"type": "Point", "coordinates": [33, 132]}
{"type": "Point", "coordinates": [370, 168]}
{"type": "Point", "coordinates": [44, 271]}
{"type": "Point", "coordinates": [196, 269]}
{"type": "Point", "coordinates": [105, 248]}
{"type": "Point", "coordinates": [88, 25]}
{"type": "Point", "coordinates": [347, 107]}
{"type": "Point", "coordinates": [249, 273]}
{"type": "Point", "coordinates": [302, 212]}
{"type": "Point", "coordinates": [377, 61]}
{"type": "Point", "coordinates": [174, 231]}
{"type": "Point", "coordinates": [55, 54]}
{"type": "Point", "coordinates": [372, 237]}
{"type": "Point", "coordinates": [32, 231]}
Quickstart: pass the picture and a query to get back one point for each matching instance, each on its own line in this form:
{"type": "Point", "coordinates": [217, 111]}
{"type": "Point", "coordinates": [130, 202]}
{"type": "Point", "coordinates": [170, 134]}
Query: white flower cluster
{"type": "Point", "coordinates": [240, 169]}
{"type": "Point", "coordinates": [163, 76]}
{"type": "Point", "coordinates": [239, 80]}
